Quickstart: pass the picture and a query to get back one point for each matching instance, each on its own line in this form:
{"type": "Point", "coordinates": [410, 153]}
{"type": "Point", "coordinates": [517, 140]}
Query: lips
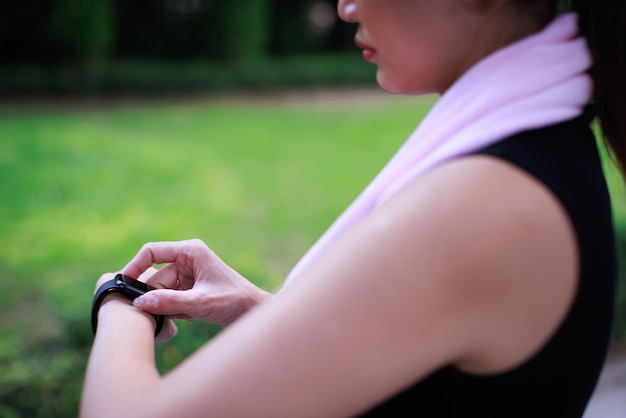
{"type": "Point", "coordinates": [368, 51]}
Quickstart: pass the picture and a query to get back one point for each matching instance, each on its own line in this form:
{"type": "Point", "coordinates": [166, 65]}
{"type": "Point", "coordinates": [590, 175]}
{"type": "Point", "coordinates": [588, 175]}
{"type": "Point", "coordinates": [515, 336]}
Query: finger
{"type": "Point", "coordinates": [165, 278]}
{"type": "Point", "coordinates": [150, 254]}
{"type": "Point", "coordinates": [168, 331]}
{"type": "Point", "coordinates": [184, 317]}
{"type": "Point", "coordinates": [145, 276]}
{"type": "Point", "coordinates": [177, 303]}
{"type": "Point", "coordinates": [161, 253]}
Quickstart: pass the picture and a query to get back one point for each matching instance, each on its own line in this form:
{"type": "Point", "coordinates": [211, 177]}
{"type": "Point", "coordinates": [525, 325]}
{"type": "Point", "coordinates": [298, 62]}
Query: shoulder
{"type": "Point", "coordinates": [502, 247]}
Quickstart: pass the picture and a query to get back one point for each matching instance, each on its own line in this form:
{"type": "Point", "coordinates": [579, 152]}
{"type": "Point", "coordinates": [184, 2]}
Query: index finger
{"type": "Point", "coordinates": [150, 254]}
{"type": "Point", "coordinates": [181, 253]}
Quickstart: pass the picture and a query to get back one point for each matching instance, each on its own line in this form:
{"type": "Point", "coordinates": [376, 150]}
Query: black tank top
{"type": "Point", "coordinates": [559, 380]}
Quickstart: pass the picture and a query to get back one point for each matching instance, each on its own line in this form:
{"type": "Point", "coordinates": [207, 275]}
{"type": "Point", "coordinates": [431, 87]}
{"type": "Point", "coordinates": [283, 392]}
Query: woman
{"type": "Point", "coordinates": [473, 277]}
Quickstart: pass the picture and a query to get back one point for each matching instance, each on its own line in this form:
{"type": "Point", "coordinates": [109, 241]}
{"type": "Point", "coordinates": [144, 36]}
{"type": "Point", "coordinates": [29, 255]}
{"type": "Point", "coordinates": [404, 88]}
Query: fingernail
{"type": "Point", "coordinates": [145, 302]}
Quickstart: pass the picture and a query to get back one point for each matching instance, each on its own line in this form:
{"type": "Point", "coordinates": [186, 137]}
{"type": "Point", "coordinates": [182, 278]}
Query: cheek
{"type": "Point", "coordinates": [414, 68]}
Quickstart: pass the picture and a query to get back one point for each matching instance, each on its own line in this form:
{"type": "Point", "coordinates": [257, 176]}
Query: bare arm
{"type": "Point", "coordinates": [446, 272]}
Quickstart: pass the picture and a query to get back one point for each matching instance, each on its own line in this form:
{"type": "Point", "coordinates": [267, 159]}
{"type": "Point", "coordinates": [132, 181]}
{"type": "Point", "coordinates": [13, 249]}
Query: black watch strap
{"type": "Point", "coordinates": [126, 287]}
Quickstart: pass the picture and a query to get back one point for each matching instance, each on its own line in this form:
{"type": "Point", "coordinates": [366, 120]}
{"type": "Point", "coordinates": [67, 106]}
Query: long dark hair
{"type": "Point", "coordinates": [603, 23]}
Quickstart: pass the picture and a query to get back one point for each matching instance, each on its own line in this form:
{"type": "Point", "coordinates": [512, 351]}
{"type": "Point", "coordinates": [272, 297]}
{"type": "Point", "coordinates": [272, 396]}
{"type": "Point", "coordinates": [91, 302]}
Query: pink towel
{"type": "Point", "coordinates": [538, 81]}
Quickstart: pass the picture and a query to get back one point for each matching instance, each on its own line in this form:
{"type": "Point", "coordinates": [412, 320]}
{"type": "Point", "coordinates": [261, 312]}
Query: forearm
{"type": "Point", "coordinates": [122, 363]}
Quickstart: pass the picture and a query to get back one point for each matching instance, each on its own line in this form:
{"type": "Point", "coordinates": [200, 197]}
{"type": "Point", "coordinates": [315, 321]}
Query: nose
{"type": "Point", "coordinates": [347, 10]}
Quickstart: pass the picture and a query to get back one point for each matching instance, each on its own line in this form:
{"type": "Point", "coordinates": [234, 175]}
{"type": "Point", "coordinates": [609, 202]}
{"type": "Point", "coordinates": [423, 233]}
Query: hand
{"type": "Point", "coordinates": [169, 329]}
{"type": "Point", "coordinates": [194, 284]}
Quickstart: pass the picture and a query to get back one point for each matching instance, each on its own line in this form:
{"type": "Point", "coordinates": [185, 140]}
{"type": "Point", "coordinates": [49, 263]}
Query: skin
{"type": "Point", "coordinates": [482, 293]}
{"type": "Point", "coordinates": [422, 46]}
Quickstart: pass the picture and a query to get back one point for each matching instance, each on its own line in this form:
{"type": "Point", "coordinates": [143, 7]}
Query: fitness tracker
{"type": "Point", "coordinates": [127, 287]}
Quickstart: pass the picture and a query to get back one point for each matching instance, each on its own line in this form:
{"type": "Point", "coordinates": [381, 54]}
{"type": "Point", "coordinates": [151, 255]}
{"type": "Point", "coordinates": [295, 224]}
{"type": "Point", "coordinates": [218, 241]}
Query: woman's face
{"type": "Point", "coordinates": [419, 46]}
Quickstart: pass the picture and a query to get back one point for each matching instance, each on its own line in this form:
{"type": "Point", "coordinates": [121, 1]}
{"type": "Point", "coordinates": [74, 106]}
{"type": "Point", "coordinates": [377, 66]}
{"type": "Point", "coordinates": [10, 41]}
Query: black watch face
{"type": "Point", "coordinates": [134, 286]}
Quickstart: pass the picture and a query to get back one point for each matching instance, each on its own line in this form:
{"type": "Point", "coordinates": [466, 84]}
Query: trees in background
{"type": "Point", "coordinates": [243, 28]}
{"type": "Point", "coordinates": [83, 29]}
{"type": "Point", "coordinates": [88, 31]}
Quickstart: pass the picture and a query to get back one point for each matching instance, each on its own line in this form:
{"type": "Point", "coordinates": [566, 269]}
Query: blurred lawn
{"type": "Point", "coordinates": [82, 187]}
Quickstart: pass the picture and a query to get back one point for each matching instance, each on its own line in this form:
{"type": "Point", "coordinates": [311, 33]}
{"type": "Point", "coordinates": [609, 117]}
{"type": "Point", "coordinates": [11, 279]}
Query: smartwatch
{"type": "Point", "coordinates": [127, 287]}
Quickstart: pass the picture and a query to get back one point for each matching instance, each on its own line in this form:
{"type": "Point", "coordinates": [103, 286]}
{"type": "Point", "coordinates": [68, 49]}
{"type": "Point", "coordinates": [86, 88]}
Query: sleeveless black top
{"type": "Point", "coordinates": [559, 380]}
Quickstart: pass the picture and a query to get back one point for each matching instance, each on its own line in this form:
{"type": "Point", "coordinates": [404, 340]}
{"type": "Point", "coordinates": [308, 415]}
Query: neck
{"type": "Point", "coordinates": [493, 29]}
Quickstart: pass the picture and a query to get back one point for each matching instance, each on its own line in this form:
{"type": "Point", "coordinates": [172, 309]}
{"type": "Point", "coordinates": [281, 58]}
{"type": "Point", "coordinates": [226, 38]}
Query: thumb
{"type": "Point", "coordinates": [168, 302]}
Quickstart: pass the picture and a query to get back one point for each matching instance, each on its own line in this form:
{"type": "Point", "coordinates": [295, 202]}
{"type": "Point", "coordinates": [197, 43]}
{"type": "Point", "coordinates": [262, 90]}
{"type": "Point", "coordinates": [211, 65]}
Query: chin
{"type": "Point", "coordinates": [386, 84]}
{"type": "Point", "coordinates": [394, 86]}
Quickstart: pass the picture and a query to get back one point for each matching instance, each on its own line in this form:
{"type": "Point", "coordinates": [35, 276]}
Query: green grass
{"type": "Point", "coordinates": [82, 187]}
{"type": "Point", "coordinates": [82, 190]}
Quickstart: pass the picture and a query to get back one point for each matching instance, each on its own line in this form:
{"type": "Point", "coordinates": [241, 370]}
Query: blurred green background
{"type": "Point", "coordinates": [110, 48]}
{"type": "Point", "coordinates": [83, 187]}
{"type": "Point", "coordinates": [250, 124]}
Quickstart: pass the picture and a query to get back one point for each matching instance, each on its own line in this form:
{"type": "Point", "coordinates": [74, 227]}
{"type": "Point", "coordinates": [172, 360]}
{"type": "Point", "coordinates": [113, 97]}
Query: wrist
{"type": "Point", "coordinates": [120, 292]}
{"type": "Point", "coordinates": [118, 311]}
